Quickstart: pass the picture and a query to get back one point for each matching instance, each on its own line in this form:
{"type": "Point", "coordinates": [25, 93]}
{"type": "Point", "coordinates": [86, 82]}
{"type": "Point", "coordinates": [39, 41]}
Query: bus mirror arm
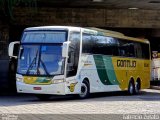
{"type": "Point", "coordinates": [11, 49]}
{"type": "Point", "coordinates": [65, 49]}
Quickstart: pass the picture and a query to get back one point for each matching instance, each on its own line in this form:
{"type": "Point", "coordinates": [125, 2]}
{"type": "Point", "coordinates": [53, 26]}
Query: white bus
{"type": "Point", "coordinates": [63, 60]}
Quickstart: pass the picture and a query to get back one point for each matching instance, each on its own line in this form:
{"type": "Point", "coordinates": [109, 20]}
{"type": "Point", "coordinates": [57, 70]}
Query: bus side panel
{"type": "Point", "coordinates": [99, 70]}
{"type": "Point", "coordinates": [127, 68]}
{"type": "Point", "coordinates": [88, 70]}
{"type": "Point", "coordinates": [120, 72]}
{"type": "Point", "coordinates": [106, 73]}
{"type": "Point", "coordinates": [146, 74]}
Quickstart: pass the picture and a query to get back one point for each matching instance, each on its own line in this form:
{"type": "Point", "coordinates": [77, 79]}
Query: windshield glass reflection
{"type": "Point", "coordinates": [40, 60]}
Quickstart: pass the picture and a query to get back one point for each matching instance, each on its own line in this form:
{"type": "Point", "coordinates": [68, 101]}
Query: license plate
{"type": "Point", "coordinates": [37, 88]}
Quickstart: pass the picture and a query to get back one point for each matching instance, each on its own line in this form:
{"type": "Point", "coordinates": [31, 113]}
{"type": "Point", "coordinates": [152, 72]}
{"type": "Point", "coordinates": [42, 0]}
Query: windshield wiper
{"type": "Point", "coordinates": [32, 63]}
{"type": "Point", "coordinates": [44, 66]}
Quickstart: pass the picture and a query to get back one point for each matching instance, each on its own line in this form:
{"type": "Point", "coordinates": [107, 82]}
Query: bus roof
{"type": "Point", "coordinates": [118, 35]}
{"type": "Point", "coordinates": [92, 30]}
{"type": "Point", "coordinates": [52, 28]}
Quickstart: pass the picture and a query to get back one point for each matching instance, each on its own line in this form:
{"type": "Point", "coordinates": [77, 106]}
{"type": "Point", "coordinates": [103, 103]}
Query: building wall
{"type": "Point", "coordinates": [123, 18]}
{"type": "Point", "coordinates": [4, 59]}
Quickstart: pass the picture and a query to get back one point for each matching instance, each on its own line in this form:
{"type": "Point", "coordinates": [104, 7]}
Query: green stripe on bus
{"type": "Point", "coordinates": [105, 70]}
{"type": "Point", "coordinates": [101, 70]}
{"type": "Point", "coordinates": [110, 70]}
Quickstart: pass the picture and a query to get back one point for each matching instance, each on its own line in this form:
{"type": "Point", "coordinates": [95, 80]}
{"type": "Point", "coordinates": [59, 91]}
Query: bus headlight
{"type": "Point", "coordinates": [19, 79]}
{"type": "Point", "coordinates": [57, 81]}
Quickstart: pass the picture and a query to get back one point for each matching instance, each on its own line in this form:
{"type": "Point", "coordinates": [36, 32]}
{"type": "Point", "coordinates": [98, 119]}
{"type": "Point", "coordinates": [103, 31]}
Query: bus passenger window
{"type": "Point", "coordinates": [73, 54]}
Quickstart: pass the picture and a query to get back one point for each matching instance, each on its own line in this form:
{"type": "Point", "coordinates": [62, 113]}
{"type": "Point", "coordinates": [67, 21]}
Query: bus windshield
{"type": "Point", "coordinates": [41, 52]}
{"type": "Point", "coordinates": [44, 36]}
{"type": "Point", "coordinates": [40, 60]}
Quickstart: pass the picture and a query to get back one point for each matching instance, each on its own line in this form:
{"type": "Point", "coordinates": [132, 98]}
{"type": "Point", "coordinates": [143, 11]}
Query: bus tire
{"type": "Point", "coordinates": [131, 88]}
{"type": "Point", "coordinates": [84, 90]}
{"type": "Point", "coordinates": [137, 87]}
{"type": "Point", "coordinates": [43, 97]}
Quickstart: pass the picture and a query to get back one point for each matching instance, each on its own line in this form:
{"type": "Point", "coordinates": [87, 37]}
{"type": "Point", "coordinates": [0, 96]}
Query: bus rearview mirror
{"type": "Point", "coordinates": [65, 49]}
{"type": "Point", "coordinates": [13, 49]}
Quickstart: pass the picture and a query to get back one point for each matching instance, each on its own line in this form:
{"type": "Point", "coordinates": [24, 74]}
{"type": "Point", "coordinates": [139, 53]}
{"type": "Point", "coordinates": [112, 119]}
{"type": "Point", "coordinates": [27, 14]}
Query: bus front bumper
{"type": "Point", "coordinates": [57, 89]}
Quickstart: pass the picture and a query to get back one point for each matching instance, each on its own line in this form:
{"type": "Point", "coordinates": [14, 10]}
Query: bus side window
{"type": "Point", "coordinates": [126, 48]}
{"type": "Point", "coordinates": [146, 52]}
{"type": "Point", "coordinates": [87, 43]}
{"type": "Point", "coordinates": [131, 52]}
{"type": "Point", "coordinates": [122, 48]}
{"type": "Point", "coordinates": [104, 45]}
{"type": "Point", "coordinates": [138, 50]}
{"type": "Point", "coordinates": [73, 54]}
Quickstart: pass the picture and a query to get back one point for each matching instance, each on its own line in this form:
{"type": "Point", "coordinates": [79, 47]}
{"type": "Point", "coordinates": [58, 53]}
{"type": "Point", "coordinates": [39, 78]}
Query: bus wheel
{"type": "Point", "coordinates": [137, 87]}
{"type": "Point", "coordinates": [131, 89]}
{"type": "Point", "coordinates": [84, 90]}
{"type": "Point", "coordinates": [43, 96]}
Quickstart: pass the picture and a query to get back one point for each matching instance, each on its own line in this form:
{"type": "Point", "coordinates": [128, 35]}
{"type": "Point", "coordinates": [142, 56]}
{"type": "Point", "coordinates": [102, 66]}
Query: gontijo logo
{"type": "Point", "coordinates": [126, 63]}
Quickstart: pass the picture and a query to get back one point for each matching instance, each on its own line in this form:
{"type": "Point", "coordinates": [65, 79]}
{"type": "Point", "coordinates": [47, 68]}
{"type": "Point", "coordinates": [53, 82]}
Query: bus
{"type": "Point", "coordinates": [63, 60]}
